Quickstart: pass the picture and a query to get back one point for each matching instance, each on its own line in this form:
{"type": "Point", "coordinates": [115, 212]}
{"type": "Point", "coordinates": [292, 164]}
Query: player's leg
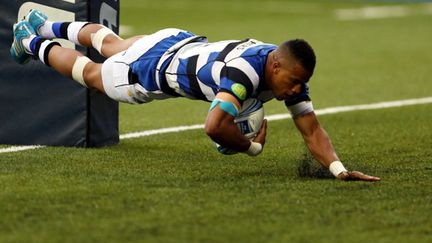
{"type": "Point", "coordinates": [110, 78]}
{"type": "Point", "coordinates": [68, 62]}
{"type": "Point", "coordinates": [104, 40]}
{"type": "Point", "coordinates": [74, 65]}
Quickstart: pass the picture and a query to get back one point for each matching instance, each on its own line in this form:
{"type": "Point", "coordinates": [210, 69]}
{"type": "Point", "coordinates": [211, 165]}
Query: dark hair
{"type": "Point", "coordinates": [302, 52]}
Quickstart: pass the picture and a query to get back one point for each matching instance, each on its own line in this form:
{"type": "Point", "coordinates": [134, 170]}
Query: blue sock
{"type": "Point", "coordinates": [41, 47]}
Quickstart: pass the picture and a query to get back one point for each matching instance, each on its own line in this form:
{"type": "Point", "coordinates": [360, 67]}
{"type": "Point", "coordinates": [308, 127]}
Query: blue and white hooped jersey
{"type": "Point", "coordinates": [183, 64]}
{"type": "Point", "coordinates": [201, 70]}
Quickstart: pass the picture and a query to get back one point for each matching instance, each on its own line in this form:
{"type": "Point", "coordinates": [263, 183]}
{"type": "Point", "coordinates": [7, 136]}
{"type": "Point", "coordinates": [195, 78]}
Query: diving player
{"type": "Point", "coordinates": [177, 63]}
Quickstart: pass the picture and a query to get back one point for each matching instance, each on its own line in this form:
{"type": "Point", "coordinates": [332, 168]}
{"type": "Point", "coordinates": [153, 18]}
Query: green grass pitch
{"type": "Point", "coordinates": [176, 188]}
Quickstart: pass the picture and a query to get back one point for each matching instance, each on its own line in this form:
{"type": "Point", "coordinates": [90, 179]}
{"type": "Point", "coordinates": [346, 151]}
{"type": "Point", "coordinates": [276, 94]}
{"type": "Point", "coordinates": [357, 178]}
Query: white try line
{"type": "Point", "coordinates": [325, 111]}
{"type": "Point", "coordinates": [19, 148]}
{"type": "Point", "coordinates": [380, 12]}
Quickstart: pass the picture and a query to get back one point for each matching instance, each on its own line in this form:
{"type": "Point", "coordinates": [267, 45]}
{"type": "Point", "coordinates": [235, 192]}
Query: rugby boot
{"type": "Point", "coordinates": [36, 18]}
{"type": "Point", "coordinates": [22, 30]}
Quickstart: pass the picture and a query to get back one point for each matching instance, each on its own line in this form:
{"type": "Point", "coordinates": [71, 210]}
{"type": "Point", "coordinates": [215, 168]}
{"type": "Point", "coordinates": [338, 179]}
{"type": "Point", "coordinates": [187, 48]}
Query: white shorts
{"type": "Point", "coordinates": [115, 80]}
{"type": "Point", "coordinates": [115, 71]}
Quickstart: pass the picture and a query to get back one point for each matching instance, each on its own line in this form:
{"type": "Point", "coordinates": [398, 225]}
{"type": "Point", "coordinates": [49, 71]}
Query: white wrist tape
{"type": "Point", "coordinates": [254, 149]}
{"type": "Point", "coordinates": [98, 38]}
{"type": "Point", "coordinates": [78, 69]}
{"type": "Point", "coordinates": [336, 167]}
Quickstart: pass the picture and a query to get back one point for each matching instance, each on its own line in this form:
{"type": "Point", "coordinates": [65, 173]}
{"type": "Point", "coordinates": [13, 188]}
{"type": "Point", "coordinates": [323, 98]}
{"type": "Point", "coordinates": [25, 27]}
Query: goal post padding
{"type": "Point", "coordinates": [38, 105]}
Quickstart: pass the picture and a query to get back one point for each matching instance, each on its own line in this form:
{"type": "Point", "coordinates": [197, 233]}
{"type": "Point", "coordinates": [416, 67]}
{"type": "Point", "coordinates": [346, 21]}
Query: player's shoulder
{"type": "Point", "coordinates": [250, 50]}
{"type": "Point", "coordinates": [253, 47]}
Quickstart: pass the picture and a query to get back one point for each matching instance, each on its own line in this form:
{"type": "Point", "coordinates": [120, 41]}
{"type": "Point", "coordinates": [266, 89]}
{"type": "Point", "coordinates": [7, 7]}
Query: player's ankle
{"type": "Point", "coordinates": [46, 30]}
{"type": "Point", "coordinates": [26, 42]}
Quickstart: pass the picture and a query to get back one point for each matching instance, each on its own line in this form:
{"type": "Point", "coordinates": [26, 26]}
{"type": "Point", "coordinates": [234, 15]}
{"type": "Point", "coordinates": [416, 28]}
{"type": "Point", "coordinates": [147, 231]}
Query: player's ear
{"type": "Point", "coordinates": [276, 66]}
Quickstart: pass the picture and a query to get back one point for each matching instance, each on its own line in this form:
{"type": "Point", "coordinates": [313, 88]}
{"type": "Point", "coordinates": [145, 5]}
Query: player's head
{"type": "Point", "coordinates": [287, 67]}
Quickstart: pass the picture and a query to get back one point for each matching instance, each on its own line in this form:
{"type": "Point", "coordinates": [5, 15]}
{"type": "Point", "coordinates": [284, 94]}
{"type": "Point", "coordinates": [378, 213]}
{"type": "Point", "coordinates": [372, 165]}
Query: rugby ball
{"type": "Point", "coordinates": [249, 121]}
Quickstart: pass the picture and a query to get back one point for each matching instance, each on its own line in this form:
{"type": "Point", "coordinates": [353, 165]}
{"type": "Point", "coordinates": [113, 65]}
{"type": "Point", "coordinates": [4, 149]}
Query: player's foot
{"type": "Point", "coordinates": [36, 18]}
{"type": "Point", "coordinates": [22, 30]}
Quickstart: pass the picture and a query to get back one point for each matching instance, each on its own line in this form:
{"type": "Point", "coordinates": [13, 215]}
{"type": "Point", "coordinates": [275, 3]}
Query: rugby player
{"type": "Point", "coordinates": [177, 63]}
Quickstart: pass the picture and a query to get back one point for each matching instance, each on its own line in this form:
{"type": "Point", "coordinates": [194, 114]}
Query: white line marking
{"type": "Point", "coordinates": [371, 13]}
{"type": "Point", "coordinates": [325, 111]}
{"type": "Point", "coordinates": [374, 106]}
{"type": "Point", "coordinates": [381, 12]}
{"type": "Point", "coordinates": [19, 148]}
{"type": "Point", "coordinates": [160, 131]}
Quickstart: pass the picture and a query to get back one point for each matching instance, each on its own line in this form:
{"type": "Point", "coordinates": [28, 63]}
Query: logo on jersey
{"type": "Point", "coordinates": [239, 90]}
{"type": "Point", "coordinates": [246, 45]}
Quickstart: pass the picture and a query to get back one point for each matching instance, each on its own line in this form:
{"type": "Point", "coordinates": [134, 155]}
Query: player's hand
{"type": "Point", "coordinates": [261, 135]}
{"type": "Point", "coordinates": [356, 176]}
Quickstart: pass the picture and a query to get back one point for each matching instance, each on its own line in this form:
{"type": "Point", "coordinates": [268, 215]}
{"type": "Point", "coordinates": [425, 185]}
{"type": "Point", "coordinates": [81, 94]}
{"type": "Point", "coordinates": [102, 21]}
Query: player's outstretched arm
{"type": "Point", "coordinates": [322, 149]}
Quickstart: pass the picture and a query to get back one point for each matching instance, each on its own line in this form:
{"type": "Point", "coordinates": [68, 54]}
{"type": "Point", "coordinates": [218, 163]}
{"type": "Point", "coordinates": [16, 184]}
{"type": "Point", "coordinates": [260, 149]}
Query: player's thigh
{"type": "Point", "coordinates": [93, 76]}
{"type": "Point", "coordinates": [113, 45]}
{"type": "Point", "coordinates": [143, 44]}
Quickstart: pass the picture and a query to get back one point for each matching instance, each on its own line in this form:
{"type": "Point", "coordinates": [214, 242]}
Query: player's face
{"type": "Point", "coordinates": [287, 81]}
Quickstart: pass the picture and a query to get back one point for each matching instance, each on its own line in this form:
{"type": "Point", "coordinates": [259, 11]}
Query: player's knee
{"type": "Point", "coordinates": [103, 39]}
{"type": "Point", "coordinates": [77, 73]}
{"type": "Point", "coordinates": [92, 75]}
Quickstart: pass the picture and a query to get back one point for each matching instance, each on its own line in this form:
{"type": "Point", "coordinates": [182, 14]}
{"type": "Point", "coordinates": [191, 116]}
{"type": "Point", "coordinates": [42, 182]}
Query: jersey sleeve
{"type": "Point", "coordinates": [301, 103]}
{"type": "Point", "coordinates": [240, 78]}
